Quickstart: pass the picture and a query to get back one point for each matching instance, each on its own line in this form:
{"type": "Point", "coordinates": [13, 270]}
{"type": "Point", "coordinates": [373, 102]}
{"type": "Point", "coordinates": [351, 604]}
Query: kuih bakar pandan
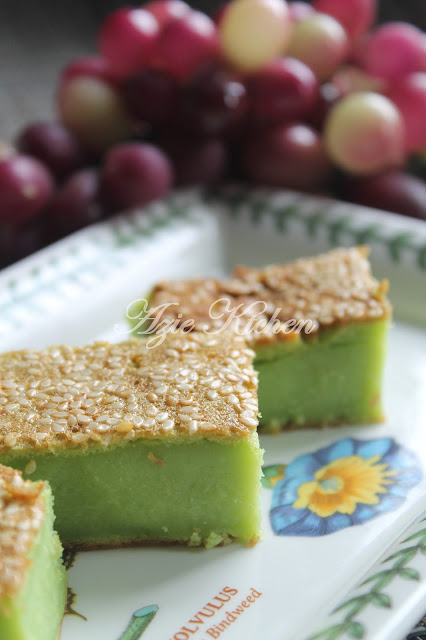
{"type": "Point", "coordinates": [33, 581]}
{"type": "Point", "coordinates": [139, 444]}
{"type": "Point", "coordinates": [318, 327]}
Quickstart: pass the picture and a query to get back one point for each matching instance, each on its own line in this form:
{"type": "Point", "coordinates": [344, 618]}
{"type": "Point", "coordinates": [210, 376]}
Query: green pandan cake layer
{"type": "Point", "coordinates": [317, 325]}
{"type": "Point", "coordinates": [333, 377]}
{"type": "Point", "coordinates": [196, 492]}
{"type": "Point", "coordinates": [36, 611]}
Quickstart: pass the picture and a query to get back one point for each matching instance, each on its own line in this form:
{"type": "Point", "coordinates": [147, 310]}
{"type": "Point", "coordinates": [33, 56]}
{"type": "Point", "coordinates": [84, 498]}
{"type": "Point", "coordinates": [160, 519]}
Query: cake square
{"type": "Point", "coordinates": [140, 443]}
{"type": "Point", "coordinates": [33, 582]}
{"type": "Point", "coordinates": [318, 327]}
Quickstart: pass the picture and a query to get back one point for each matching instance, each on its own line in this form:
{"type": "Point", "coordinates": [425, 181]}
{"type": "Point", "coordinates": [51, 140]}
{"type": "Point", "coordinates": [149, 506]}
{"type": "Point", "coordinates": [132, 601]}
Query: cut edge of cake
{"type": "Point", "coordinates": [29, 545]}
{"type": "Point", "coordinates": [69, 413]}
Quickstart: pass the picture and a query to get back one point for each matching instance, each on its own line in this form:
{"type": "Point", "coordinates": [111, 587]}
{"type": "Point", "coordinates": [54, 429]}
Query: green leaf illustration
{"type": "Point", "coordinates": [419, 534]}
{"type": "Point", "coordinates": [377, 576]}
{"type": "Point", "coordinates": [382, 579]}
{"type": "Point", "coordinates": [356, 630]}
{"type": "Point", "coordinates": [357, 600]}
{"type": "Point", "coordinates": [409, 573]}
{"type": "Point", "coordinates": [335, 230]}
{"type": "Point", "coordinates": [400, 242]}
{"type": "Point", "coordinates": [257, 211]}
{"type": "Point", "coordinates": [404, 556]}
{"type": "Point", "coordinates": [381, 600]}
{"type": "Point", "coordinates": [421, 257]}
{"type": "Point", "coordinates": [368, 235]}
{"type": "Point", "coordinates": [282, 216]}
{"type": "Point", "coordinates": [331, 633]}
{"type": "Point", "coordinates": [314, 222]}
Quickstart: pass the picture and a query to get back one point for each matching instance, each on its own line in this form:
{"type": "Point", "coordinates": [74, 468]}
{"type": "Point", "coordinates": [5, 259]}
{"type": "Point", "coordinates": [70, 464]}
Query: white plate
{"type": "Point", "coordinates": [288, 585]}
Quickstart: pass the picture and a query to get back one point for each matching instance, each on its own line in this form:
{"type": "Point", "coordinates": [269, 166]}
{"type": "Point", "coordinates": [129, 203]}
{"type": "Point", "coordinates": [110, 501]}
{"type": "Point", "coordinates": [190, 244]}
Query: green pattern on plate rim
{"type": "Point", "coordinates": [336, 218]}
{"type": "Point", "coordinates": [78, 262]}
{"type": "Point", "coordinates": [371, 592]}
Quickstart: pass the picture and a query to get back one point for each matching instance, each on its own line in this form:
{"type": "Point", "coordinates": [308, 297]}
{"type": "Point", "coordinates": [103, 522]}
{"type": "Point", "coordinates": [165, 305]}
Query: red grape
{"type": "Point", "coordinates": [77, 203]}
{"type": "Point", "coordinates": [195, 160]}
{"type": "Point", "coordinates": [394, 50]}
{"type": "Point", "coordinates": [134, 174]}
{"type": "Point", "coordinates": [214, 101]}
{"type": "Point", "coordinates": [126, 39]}
{"type": "Point", "coordinates": [356, 16]}
{"type": "Point", "coordinates": [321, 43]}
{"type": "Point", "coordinates": [329, 95]}
{"type": "Point", "coordinates": [19, 241]}
{"type": "Point", "coordinates": [25, 187]}
{"type": "Point", "coordinates": [54, 145]}
{"type": "Point", "coordinates": [151, 96]}
{"type": "Point", "coordinates": [364, 133]}
{"type": "Point", "coordinates": [254, 32]}
{"type": "Point", "coordinates": [94, 111]}
{"type": "Point", "coordinates": [409, 95]}
{"type": "Point", "coordinates": [92, 66]}
{"type": "Point", "coordinates": [285, 90]}
{"type": "Point", "coordinates": [351, 78]}
{"type": "Point", "coordinates": [185, 44]}
{"type": "Point", "coordinates": [287, 156]}
{"type": "Point", "coordinates": [393, 191]}
{"type": "Point", "coordinates": [300, 11]}
{"type": "Point", "coordinates": [166, 10]}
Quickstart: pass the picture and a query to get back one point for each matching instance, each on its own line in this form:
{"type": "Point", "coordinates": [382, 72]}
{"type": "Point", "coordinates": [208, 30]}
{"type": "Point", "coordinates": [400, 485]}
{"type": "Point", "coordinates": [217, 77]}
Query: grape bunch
{"type": "Point", "coordinates": [312, 97]}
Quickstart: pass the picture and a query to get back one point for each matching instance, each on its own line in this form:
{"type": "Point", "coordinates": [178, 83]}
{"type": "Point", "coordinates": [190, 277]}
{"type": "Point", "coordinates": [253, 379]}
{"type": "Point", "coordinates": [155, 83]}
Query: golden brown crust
{"type": "Point", "coordinates": [22, 508]}
{"type": "Point", "coordinates": [191, 385]}
{"type": "Point", "coordinates": [334, 288]}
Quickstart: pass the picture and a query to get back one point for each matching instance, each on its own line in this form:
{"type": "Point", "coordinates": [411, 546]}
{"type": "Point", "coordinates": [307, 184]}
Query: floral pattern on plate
{"type": "Point", "coordinates": [347, 483]}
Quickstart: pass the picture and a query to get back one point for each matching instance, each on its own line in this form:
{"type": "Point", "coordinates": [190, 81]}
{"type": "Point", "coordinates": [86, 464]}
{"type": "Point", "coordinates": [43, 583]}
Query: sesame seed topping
{"type": "Point", "coordinates": [22, 509]}
{"type": "Point", "coordinates": [225, 390]}
{"type": "Point", "coordinates": [58, 428]}
{"type": "Point", "coordinates": [187, 410]}
{"type": "Point", "coordinates": [30, 467]}
{"type": "Point", "coordinates": [168, 425]}
{"type": "Point", "coordinates": [249, 422]}
{"type": "Point", "coordinates": [193, 426]}
{"type": "Point", "coordinates": [334, 288]}
{"type": "Point", "coordinates": [124, 427]}
{"type": "Point", "coordinates": [184, 417]}
{"type": "Point", "coordinates": [49, 414]}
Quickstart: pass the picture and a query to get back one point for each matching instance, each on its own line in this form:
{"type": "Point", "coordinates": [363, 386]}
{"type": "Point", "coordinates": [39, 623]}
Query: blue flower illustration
{"type": "Point", "coordinates": [344, 484]}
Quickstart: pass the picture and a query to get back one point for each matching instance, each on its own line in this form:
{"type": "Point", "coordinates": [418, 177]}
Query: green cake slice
{"type": "Point", "coordinates": [33, 582]}
{"type": "Point", "coordinates": [139, 444]}
{"type": "Point", "coordinates": [318, 327]}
